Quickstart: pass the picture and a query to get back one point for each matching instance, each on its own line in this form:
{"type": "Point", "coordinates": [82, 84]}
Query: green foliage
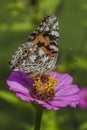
{"type": "Point", "coordinates": [48, 6]}
{"type": "Point", "coordinates": [83, 126]}
{"type": "Point", "coordinates": [12, 99]}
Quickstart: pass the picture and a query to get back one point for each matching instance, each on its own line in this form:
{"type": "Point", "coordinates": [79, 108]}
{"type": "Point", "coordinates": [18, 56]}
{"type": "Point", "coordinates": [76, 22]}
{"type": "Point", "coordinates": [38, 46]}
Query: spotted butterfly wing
{"type": "Point", "coordinates": [39, 54]}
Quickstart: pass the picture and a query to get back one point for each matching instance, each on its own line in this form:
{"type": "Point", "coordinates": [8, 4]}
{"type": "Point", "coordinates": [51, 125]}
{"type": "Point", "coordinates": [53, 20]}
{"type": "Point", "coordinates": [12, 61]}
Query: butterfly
{"type": "Point", "coordinates": [39, 55]}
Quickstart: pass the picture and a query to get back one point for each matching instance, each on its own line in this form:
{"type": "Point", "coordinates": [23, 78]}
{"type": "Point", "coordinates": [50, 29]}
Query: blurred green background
{"type": "Point", "coordinates": [18, 18]}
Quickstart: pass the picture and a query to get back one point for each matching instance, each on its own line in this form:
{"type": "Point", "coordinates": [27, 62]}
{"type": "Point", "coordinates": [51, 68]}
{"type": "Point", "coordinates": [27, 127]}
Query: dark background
{"type": "Point", "coordinates": [18, 18]}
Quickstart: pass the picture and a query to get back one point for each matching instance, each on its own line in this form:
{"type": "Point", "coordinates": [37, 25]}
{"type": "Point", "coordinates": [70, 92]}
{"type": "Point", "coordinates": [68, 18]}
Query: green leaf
{"type": "Point", "coordinates": [11, 98]}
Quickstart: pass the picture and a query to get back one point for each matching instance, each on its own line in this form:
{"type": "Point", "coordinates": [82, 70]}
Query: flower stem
{"type": "Point", "coordinates": [38, 117]}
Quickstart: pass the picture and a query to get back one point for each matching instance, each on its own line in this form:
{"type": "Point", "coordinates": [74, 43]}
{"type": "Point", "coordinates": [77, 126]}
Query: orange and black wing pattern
{"type": "Point", "coordinates": [40, 53]}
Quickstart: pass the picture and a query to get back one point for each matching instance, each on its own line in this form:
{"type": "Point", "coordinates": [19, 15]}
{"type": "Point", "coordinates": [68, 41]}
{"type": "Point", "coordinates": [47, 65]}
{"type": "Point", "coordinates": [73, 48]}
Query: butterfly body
{"type": "Point", "coordinates": [40, 53]}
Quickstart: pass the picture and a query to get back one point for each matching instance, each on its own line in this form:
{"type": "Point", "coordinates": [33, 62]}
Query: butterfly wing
{"type": "Point", "coordinates": [40, 53]}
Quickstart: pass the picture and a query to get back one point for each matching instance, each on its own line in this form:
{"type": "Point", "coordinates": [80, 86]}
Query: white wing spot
{"type": "Point", "coordinates": [44, 59]}
{"type": "Point", "coordinates": [41, 52]}
{"type": "Point", "coordinates": [32, 58]}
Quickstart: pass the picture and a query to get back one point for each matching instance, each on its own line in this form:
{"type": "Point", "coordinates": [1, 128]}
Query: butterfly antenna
{"type": "Point", "coordinates": [64, 55]}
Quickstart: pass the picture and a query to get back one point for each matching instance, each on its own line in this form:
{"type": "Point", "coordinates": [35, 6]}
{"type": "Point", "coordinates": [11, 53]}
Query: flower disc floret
{"type": "Point", "coordinates": [43, 87]}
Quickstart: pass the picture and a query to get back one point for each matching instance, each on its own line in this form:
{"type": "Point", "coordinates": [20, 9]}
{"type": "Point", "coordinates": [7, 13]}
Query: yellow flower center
{"type": "Point", "coordinates": [43, 87]}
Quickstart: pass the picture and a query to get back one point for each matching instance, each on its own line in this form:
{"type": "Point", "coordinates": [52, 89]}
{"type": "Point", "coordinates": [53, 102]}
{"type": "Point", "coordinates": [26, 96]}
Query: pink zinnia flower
{"type": "Point", "coordinates": [83, 98]}
{"type": "Point", "coordinates": [51, 91]}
